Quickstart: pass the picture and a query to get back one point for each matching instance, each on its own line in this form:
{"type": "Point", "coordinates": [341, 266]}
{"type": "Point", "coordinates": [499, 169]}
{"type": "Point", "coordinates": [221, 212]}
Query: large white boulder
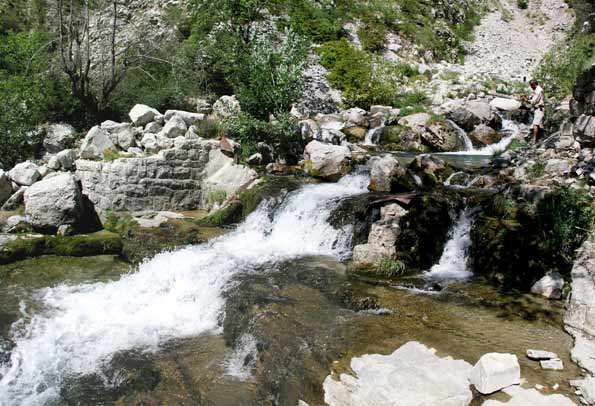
{"type": "Point", "coordinates": [327, 161]}
{"type": "Point", "coordinates": [550, 286]}
{"type": "Point", "coordinates": [495, 371]}
{"type": "Point", "coordinates": [175, 127]}
{"type": "Point", "coordinates": [530, 397]}
{"type": "Point", "coordinates": [142, 114]}
{"type": "Point", "coordinates": [25, 173]}
{"type": "Point", "coordinates": [5, 187]}
{"type": "Point", "coordinates": [222, 174]}
{"type": "Point", "coordinates": [96, 142]}
{"type": "Point", "coordinates": [58, 137]}
{"type": "Point", "coordinates": [53, 202]}
{"type": "Point", "coordinates": [501, 103]}
{"type": "Point", "coordinates": [189, 118]}
{"type": "Point", "coordinates": [411, 376]}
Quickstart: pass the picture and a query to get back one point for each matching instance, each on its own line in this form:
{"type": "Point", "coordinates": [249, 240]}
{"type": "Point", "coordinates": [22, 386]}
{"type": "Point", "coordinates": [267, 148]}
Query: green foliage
{"type": "Point", "coordinates": [537, 170]}
{"type": "Point", "coordinates": [124, 225]}
{"type": "Point", "coordinates": [270, 79]}
{"type": "Point", "coordinates": [560, 67]}
{"type": "Point", "coordinates": [372, 37]}
{"type": "Point", "coordinates": [523, 4]}
{"type": "Point", "coordinates": [389, 267]}
{"type": "Point", "coordinates": [566, 217]}
{"type": "Point", "coordinates": [282, 135]}
{"type": "Point", "coordinates": [318, 23]}
{"type": "Point", "coordinates": [216, 197]}
{"type": "Point", "coordinates": [30, 94]}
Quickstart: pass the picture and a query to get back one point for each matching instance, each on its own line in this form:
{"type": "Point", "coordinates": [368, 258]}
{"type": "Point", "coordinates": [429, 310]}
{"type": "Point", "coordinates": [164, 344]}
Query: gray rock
{"type": "Point", "coordinates": [468, 114]}
{"type": "Point", "coordinates": [392, 212]}
{"type": "Point", "coordinates": [175, 127]}
{"type": "Point", "coordinates": [123, 135]}
{"type": "Point", "coordinates": [381, 243]}
{"type": "Point", "coordinates": [15, 223]}
{"type": "Point", "coordinates": [67, 158]}
{"type": "Point", "coordinates": [557, 167]}
{"type": "Point", "coordinates": [149, 143]}
{"type": "Point", "coordinates": [355, 116]}
{"type": "Point", "coordinates": [310, 129]}
{"type": "Point", "coordinates": [54, 163]}
{"type": "Point", "coordinates": [552, 364]}
{"type": "Point", "coordinates": [58, 137]}
{"type": "Point", "coordinates": [540, 355]}
{"type": "Point", "coordinates": [483, 135]}
{"type": "Point", "coordinates": [96, 142]}
{"type": "Point", "coordinates": [25, 173]}
{"type": "Point", "coordinates": [413, 375]}
{"type": "Point", "coordinates": [15, 200]}
{"type": "Point", "coordinates": [142, 115]}
{"type": "Point", "coordinates": [53, 202]}
{"type": "Point", "coordinates": [327, 161]}
{"type": "Point", "coordinates": [550, 286]}
{"type": "Point", "coordinates": [189, 118]}
{"type": "Point", "coordinates": [226, 106]}
{"type": "Point", "coordinates": [495, 371]}
{"type": "Point", "coordinates": [153, 127]}
{"type": "Point", "coordinates": [587, 390]}
{"type": "Point", "coordinates": [255, 159]}
{"type": "Point", "coordinates": [5, 187]}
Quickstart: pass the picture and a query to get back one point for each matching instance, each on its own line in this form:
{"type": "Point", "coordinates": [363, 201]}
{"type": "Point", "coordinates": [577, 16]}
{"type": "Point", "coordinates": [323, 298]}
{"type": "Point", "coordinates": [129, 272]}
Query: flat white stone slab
{"type": "Point", "coordinates": [530, 397]}
{"type": "Point", "coordinates": [411, 376]}
{"type": "Point", "coordinates": [552, 364]}
{"type": "Point", "coordinates": [539, 355]}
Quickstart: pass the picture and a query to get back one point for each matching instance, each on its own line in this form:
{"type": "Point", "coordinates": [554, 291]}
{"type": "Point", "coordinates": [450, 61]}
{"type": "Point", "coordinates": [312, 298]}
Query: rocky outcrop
{"type": "Point", "coordinates": [58, 137]}
{"type": "Point", "coordinates": [53, 202]}
{"type": "Point", "coordinates": [325, 161]}
{"type": "Point", "coordinates": [173, 179]}
{"type": "Point", "coordinates": [580, 317]}
{"type": "Point", "coordinates": [413, 375]}
{"type": "Point", "coordinates": [387, 175]}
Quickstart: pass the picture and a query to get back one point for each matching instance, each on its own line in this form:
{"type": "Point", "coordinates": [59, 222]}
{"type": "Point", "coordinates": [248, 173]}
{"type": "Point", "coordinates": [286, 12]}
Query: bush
{"type": "Point", "coordinates": [523, 4]}
{"type": "Point", "coordinates": [319, 24]}
{"type": "Point", "coordinates": [372, 37]}
{"type": "Point", "coordinates": [270, 81]}
{"type": "Point", "coordinates": [282, 135]}
{"type": "Point", "coordinates": [388, 267]}
{"type": "Point", "coordinates": [560, 67]}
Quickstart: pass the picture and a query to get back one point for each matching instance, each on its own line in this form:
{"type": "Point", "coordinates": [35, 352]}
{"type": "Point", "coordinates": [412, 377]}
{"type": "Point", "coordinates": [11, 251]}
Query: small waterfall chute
{"type": "Point", "coordinates": [453, 262]}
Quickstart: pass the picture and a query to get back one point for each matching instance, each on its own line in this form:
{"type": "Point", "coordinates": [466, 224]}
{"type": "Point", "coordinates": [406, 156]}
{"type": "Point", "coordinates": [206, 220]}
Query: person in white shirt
{"type": "Point", "coordinates": [537, 101]}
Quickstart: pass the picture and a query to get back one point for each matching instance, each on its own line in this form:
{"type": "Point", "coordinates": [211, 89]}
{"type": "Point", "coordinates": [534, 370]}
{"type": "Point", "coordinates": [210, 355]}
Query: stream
{"type": "Point", "coordinates": [257, 316]}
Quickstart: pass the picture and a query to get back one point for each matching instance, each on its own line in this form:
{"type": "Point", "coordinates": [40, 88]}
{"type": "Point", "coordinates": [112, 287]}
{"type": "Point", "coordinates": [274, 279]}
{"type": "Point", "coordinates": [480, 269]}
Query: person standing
{"type": "Point", "coordinates": [537, 101]}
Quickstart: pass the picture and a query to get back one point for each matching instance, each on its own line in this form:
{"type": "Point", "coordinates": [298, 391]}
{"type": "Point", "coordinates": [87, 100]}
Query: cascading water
{"type": "Point", "coordinates": [373, 135]}
{"type": "Point", "coordinates": [468, 145]}
{"type": "Point", "coordinates": [453, 262]}
{"type": "Point", "coordinates": [174, 295]}
{"type": "Point", "coordinates": [510, 130]}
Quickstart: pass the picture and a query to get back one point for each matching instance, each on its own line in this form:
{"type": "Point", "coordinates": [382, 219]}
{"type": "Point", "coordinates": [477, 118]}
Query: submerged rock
{"type": "Point", "coordinates": [495, 371]}
{"type": "Point", "coordinates": [413, 375]}
{"type": "Point", "coordinates": [530, 397]}
{"type": "Point", "coordinates": [552, 364]}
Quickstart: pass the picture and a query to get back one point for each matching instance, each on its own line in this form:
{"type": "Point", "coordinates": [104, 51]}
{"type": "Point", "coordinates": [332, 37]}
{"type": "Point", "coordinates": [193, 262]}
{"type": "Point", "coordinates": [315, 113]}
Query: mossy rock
{"type": "Point", "coordinates": [99, 243]}
{"type": "Point", "coordinates": [248, 200]}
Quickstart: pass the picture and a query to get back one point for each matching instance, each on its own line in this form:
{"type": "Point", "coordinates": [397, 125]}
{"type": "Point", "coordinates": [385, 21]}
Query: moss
{"type": "Point", "coordinates": [100, 243]}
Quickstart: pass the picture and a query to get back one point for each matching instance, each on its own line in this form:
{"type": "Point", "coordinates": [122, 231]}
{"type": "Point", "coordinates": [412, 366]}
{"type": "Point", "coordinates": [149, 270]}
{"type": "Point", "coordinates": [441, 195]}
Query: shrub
{"type": "Point", "coordinates": [216, 197]}
{"type": "Point", "coordinates": [270, 80]}
{"type": "Point", "coordinates": [372, 37]}
{"type": "Point", "coordinates": [523, 4]}
{"type": "Point", "coordinates": [389, 267]}
{"type": "Point", "coordinates": [560, 67]}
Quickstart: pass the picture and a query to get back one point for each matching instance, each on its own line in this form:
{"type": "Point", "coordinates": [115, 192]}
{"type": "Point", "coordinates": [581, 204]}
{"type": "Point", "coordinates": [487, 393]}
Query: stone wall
{"type": "Point", "coordinates": [174, 179]}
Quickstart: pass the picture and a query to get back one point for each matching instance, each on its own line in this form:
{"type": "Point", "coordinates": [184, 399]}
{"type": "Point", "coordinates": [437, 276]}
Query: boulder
{"type": "Point", "coordinates": [17, 224]}
{"type": "Point", "coordinates": [142, 115]}
{"type": "Point", "coordinates": [309, 129]}
{"type": "Point", "coordinates": [483, 135]}
{"type": "Point", "coordinates": [25, 173]}
{"type": "Point", "coordinates": [551, 286]}
{"type": "Point", "coordinates": [442, 136]}
{"type": "Point", "coordinates": [392, 212]}
{"type": "Point", "coordinates": [381, 243]}
{"type": "Point", "coordinates": [226, 106]}
{"type": "Point", "coordinates": [584, 130]}
{"type": "Point", "coordinates": [355, 134]}
{"type": "Point", "coordinates": [355, 116]}
{"type": "Point", "coordinates": [413, 375]}
{"type": "Point", "coordinates": [153, 128]}
{"type": "Point", "coordinates": [529, 397]}
{"type": "Point", "coordinates": [387, 175]}
{"type": "Point", "coordinates": [330, 122]}
{"type": "Point", "coordinates": [66, 159]}
{"type": "Point", "coordinates": [495, 371]}
{"type": "Point", "coordinates": [175, 127]}
{"type": "Point", "coordinates": [15, 200]}
{"type": "Point", "coordinates": [54, 163]}
{"type": "Point", "coordinates": [5, 187]}
{"type": "Point", "coordinates": [96, 142]}
{"type": "Point", "coordinates": [540, 355]}
{"type": "Point", "coordinates": [53, 202]}
{"type": "Point", "coordinates": [58, 137]}
{"type": "Point", "coordinates": [149, 143]}
{"type": "Point", "coordinates": [325, 161]}
{"type": "Point", "coordinates": [469, 114]}
{"type": "Point", "coordinates": [123, 135]}
{"type": "Point", "coordinates": [189, 118]}
{"type": "Point", "coordinates": [417, 120]}
{"type": "Point", "coordinates": [501, 103]}
{"type": "Point", "coordinates": [557, 167]}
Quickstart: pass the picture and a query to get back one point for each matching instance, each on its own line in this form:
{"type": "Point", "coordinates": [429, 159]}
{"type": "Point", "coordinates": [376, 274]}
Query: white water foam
{"type": "Point", "coordinates": [453, 263]}
{"type": "Point", "coordinates": [243, 360]}
{"type": "Point", "coordinates": [510, 128]}
{"type": "Point", "coordinates": [174, 295]}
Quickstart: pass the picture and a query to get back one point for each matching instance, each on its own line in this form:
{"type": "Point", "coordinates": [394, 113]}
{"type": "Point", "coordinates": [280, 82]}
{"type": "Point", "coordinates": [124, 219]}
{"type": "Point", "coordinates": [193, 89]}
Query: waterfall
{"type": "Point", "coordinates": [468, 145]}
{"type": "Point", "coordinates": [510, 129]}
{"type": "Point", "coordinates": [372, 136]}
{"type": "Point", "coordinates": [453, 262]}
{"type": "Point", "coordinates": [173, 295]}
